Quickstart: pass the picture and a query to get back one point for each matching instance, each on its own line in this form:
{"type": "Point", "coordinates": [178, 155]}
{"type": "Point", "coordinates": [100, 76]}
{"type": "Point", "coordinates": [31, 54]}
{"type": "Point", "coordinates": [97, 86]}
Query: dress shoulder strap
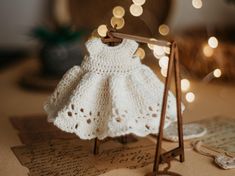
{"type": "Point", "coordinates": [93, 46]}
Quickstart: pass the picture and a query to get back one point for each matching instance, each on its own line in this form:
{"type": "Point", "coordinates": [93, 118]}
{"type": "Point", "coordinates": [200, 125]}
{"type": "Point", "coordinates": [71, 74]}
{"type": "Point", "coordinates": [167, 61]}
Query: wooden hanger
{"type": "Point", "coordinates": [113, 38]}
{"type": "Point", "coordinates": [110, 39]}
{"type": "Point", "coordinates": [140, 39]}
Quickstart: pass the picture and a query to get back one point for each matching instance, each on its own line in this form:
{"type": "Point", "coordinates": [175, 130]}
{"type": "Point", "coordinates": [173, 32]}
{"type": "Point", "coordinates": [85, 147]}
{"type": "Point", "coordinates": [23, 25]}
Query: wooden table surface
{"type": "Point", "coordinates": [211, 100]}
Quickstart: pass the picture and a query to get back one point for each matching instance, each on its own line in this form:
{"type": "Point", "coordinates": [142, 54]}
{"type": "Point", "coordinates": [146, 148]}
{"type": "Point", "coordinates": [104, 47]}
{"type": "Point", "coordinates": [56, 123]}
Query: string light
{"type": "Point", "coordinates": [167, 49]}
{"type": "Point", "coordinates": [102, 30]}
{"type": "Point", "coordinates": [117, 22]}
{"type": "Point", "coordinates": [213, 42]}
{"type": "Point", "coordinates": [158, 51]}
{"type": "Point", "coordinates": [163, 62]}
{"type": "Point", "coordinates": [217, 73]}
{"type": "Point", "coordinates": [136, 10]}
{"type": "Point", "coordinates": [156, 56]}
{"type": "Point", "coordinates": [207, 50]}
{"type": "Point", "coordinates": [197, 4]}
{"type": "Point", "coordinates": [164, 29]}
{"type": "Point", "coordinates": [185, 85]}
{"type": "Point", "coordinates": [164, 72]}
{"type": "Point", "coordinates": [139, 2]}
{"type": "Point", "coordinates": [190, 97]}
{"type": "Point", "coordinates": [140, 53]}
{"type": "Point", "coordinates": [151, 46]}
{"type": "Point", "coordinates": [118, 12]}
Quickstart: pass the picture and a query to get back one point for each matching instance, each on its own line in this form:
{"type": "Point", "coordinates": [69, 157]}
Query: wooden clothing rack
{"type": "Point", "coordinates": [173, 67]}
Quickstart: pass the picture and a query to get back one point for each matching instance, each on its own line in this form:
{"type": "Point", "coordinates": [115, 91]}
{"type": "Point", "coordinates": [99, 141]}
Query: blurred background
{"type": "Point", "coordinates": [41, 39]}
{"type": "Point", "coordinates": [49, 36]}
{"type": "Point", "coordinates": [49, 29]}
{"type": "Point", "coordinates": [18, 18]}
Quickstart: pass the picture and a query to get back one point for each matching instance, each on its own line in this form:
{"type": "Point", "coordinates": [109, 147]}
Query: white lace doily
{"type": "Point", "coordinates": [190, 131]}
{"type": "Point", "coordinates": [111, 94]}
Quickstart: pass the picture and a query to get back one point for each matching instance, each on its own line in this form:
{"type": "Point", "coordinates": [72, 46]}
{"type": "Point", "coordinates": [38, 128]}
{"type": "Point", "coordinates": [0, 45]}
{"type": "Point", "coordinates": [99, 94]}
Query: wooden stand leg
{"type": "Point", "coordinates": [163, 114]}
{"type": "Point", "coordinates": [179, 151]}
{"type": "Point", "coordinates": [123, 139]}
{"type": "Point", "coordinates": [178, 99]}
{"type": "Point", "coordinates": [96, 146]}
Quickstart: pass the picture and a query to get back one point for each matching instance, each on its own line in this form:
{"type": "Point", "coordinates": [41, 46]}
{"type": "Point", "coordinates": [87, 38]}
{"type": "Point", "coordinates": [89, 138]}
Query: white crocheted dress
{"type": "Point", "coordinates": [111, 94]}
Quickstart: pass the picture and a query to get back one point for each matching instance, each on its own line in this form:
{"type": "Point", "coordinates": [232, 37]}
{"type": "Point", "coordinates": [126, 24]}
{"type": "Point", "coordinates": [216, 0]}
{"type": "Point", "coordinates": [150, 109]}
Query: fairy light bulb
{"type": "Point", "coordinates": [117, 22]}
{"type": "Point", "coordinates": [163, 72]}
{"type": "Point", "coordinates": [140, 53]}
{"type": "Point", "coordinates": [158, 50]}
{"type": "Point", "coordinates": [185, 85]}
{"type": "Point", "coordinates": [118, 12]}
{"type": "Point", "coordinates": [197, 4]}
{"type": "Point", "coordinates": [151, 46]}
{"type": "Point", "coordinates": [102, 30]}
{"type": "Point", "coordinates": [139, 2]}
{"type": "Point", "coordinates": [207, 50]}
{"type": "Point", "coordinates": [136, 10]}
{"type": "Point", "coordinates": [156, 56]}
{"type": "Point", "coordinates": [213, 42]}
{"type": "Point", "coordinates": [217, 73]}
{"type": "Point", "coordinates": [164, 29]}
{"type": "Point", "coordinates": [166, 49]}
{"type": "Point", "coordinates": [163, 62]}
{"type": "Point", "coordinates": [190, 97]}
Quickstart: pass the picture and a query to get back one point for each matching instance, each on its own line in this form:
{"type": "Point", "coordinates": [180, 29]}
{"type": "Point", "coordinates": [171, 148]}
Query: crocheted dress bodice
{"type": "Point", "coordinates": [111, 60]}
{"type": "Point", "coordinates": [109, 95]}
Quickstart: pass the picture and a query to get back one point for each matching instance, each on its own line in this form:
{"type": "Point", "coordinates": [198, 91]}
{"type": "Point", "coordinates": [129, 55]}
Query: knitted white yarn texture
{"type": "Point", "coordinates": [110, 94]}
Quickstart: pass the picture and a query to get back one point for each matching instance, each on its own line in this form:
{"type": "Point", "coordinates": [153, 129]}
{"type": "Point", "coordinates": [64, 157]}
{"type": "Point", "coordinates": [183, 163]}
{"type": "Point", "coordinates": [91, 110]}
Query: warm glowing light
{"type": "Point", "coordinates": [139, 2]}
{"type": "Point", "coordinates": [136, 10]}
{"type": "Point", "coordinates": [156, 56]}
{"type": "Point", "coordinates": [166, 49]}
{"type": "Point", "coordinates": [62, 12]}
{"type": "Point", "coordinates": [158, 51]}
{"type": "Point", "coordinates": [207, 50]}
{"type": "Point", "coordinates": [151, 46]}
{"type": "Point", "coordinates": [217, 73]}
{"type": "Point", "coordinates": [213, 42]}
{"type": "Point", "coordinates": [164, 29]}
{"type": "Point", "coordinates": [190, 97]}
{"type": "Point", "coordinates": [163, 62]}
{"type": "Point", "coordinates": [102, 30]}
{"type": "Point", "coordinates": [117, 23]}
{"type": "Point", "coordinates": [185, 85]}
{"type": "Point", "coordinates": [164, 72]}
{"type": "Point", "coordinates": [118, 12]}
{"type": "Point", "coordinates": [197, 4]}
{"type": "Point", "coordinates": [140, 53]}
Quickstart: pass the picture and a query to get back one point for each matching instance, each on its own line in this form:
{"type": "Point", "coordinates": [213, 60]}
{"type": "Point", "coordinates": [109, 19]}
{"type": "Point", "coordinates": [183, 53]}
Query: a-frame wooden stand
{"type": "Point", "coordinates": [173, 67]}
{"type": "Point", "coordinates": [160, 158]}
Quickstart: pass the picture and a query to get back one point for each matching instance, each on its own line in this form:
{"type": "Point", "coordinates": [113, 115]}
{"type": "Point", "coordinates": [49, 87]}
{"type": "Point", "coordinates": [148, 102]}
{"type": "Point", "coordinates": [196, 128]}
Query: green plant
{"type": "Point", "coordinates": [59, 35]}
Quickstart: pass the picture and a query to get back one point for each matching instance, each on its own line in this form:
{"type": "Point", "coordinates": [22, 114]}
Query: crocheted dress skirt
{"type": "Point", "coordinates": [110, 94]}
